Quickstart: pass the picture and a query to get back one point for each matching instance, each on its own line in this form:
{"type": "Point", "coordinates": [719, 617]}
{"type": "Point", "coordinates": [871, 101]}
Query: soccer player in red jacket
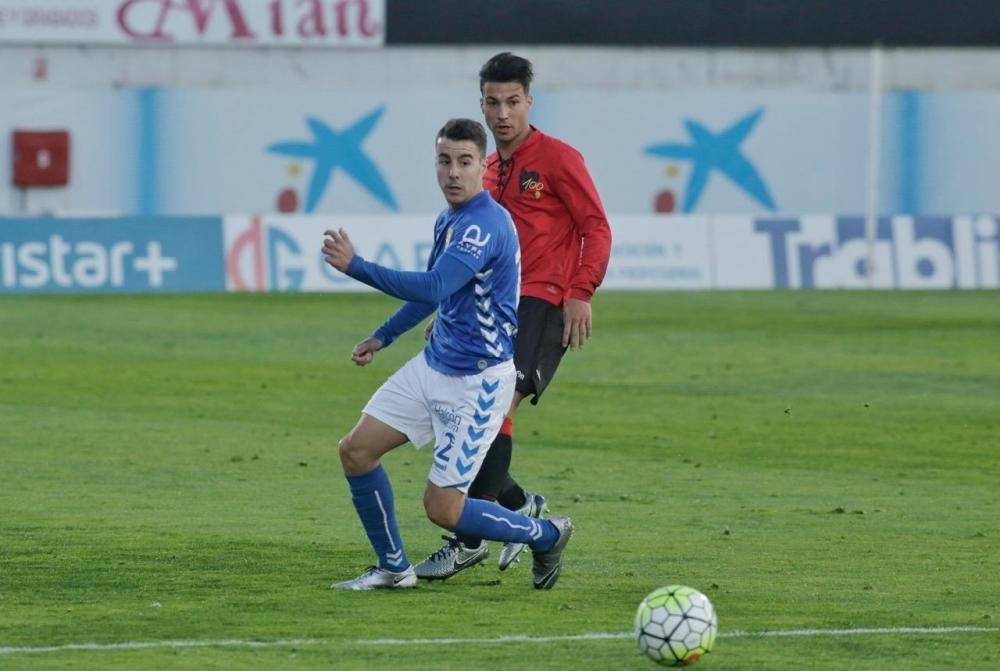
{"type": "Point", "coordinates": [565, 244]}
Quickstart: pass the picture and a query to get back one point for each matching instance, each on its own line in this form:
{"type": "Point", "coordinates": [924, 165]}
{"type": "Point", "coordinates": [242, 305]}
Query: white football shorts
{"type": "Point", "coordinates": [461, 414]}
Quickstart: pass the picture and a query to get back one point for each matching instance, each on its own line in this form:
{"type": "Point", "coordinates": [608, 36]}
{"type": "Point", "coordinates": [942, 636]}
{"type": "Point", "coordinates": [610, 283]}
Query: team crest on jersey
{"type": "Point", "coordinates": [531, 182]}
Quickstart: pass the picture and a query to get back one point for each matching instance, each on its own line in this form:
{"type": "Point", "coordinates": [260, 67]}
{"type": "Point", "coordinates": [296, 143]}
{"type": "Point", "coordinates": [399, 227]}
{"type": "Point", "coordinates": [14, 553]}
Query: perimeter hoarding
{"type": "Point", "coordinates": [281, 253]}
{"type": "Point", "coordinates": [651, 252]}
{"type": "Point", "coordinates": [121, 255]}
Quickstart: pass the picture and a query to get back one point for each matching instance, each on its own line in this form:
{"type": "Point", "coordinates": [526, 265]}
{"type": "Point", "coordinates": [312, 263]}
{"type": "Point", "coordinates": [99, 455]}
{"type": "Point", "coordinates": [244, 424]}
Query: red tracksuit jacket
{"type": "Point", "coordinates": [563, 230]}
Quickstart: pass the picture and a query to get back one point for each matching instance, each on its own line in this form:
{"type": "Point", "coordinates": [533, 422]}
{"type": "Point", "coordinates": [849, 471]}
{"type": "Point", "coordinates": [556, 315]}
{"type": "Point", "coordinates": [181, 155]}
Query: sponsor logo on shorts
{"type": "Point", "coordinates": [448, 416]}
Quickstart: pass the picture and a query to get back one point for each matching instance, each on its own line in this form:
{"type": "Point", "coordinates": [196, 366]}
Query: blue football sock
{"type": "Point", "coordinates": [489, 520]}
{"type": "Point", "coordinates": [373, 499]}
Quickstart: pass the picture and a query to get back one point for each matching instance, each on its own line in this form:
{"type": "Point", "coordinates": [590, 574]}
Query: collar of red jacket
{"type": "Point", "coordinates": [533, 139]}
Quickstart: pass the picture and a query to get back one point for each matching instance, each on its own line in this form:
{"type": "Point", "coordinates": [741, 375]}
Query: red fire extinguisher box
{"type": "Point", "coordinates": [41, 158]}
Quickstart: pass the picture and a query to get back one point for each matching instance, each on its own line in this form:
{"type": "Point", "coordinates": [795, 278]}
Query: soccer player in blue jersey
{"type": "Point", "coordinates": [457, 390]}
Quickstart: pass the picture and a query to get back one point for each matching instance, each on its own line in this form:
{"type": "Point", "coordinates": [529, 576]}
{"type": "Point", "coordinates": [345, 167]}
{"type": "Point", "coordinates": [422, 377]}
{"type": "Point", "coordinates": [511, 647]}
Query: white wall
{"type": "Point", "coordinates": [204, 133]}
{"type": "Point", "coordinates": [604, 69]}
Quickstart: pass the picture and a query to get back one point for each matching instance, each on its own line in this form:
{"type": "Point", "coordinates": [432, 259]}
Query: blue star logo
{"type": "Point", "coordinates": [710, 151]}
{"type": "Point", "coordinates": [333, 149]}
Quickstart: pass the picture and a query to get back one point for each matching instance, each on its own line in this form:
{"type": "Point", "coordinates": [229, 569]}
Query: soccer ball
{"type": "Point", "coordinates": [675, 625]}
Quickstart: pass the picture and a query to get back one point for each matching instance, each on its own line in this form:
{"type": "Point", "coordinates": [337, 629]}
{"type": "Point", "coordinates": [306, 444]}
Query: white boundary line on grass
{"type": "Point", "coordinates": [522, 638]}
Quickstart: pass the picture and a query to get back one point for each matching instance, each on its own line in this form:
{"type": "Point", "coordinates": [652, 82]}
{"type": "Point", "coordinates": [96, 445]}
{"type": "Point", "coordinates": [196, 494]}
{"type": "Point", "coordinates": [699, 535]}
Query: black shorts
{"type": "Point", "coordinates": [538, 345]}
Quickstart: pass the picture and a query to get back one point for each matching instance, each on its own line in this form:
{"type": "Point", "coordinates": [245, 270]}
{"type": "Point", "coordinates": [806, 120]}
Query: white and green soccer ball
{"type": "Point", "coordinates": [675, 625]}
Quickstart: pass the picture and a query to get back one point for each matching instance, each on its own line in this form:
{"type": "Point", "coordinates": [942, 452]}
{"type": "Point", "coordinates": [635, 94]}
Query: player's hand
{"type": "Point", "coordinates": [577, 324]}
{"type": "Point", "coordinates": [364, 351]}
{"type": "Point", "coordinates": [429, 329]}
{"type": "Point", "coordinates": [337, 249]}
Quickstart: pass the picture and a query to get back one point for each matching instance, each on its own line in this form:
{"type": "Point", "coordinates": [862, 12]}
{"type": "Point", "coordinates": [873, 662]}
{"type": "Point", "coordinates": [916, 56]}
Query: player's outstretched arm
{"type": "Point", "coordinates": [364, 351]}
{"type": "Point", "coordinates": [447, 276]}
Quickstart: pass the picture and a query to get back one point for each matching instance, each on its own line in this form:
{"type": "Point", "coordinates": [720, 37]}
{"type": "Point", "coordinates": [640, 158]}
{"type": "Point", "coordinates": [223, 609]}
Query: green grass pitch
{"type": "Point", "coordinates": [809, 460]}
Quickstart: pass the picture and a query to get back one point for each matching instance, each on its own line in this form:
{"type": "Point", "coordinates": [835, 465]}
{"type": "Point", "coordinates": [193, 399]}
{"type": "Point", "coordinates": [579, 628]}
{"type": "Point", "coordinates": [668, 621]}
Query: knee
{"type": "Point", "coordinates": [353, 458]}
{"type": "Point", "coordinates": [441, 510]}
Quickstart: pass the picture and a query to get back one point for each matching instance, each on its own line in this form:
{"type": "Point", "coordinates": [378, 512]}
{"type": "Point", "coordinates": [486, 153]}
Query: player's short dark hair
{"type": "Point", "coordinates": [465, 129]}
{"type": "Point", "coordinates": [506, 67]}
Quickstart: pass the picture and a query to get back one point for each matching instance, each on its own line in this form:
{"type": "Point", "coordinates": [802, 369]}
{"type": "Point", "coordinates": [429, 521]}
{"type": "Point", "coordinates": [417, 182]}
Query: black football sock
{"type": "Point", "coordinates": [512, 496]}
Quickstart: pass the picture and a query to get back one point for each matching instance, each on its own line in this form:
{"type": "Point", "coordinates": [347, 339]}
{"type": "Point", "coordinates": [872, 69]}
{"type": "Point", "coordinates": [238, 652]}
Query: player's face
{"type": "Point", "coordinates": [505, 106]}
{"type": "Point", "coordinates": [460, 168]}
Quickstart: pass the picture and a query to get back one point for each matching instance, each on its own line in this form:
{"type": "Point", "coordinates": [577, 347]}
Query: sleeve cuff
{"type": "Point", "coordinates": [581, 294]}
{"type": "Point", "coordinates": [356, 267]}
{"type": "Point", "coordinates": [383, 337]}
